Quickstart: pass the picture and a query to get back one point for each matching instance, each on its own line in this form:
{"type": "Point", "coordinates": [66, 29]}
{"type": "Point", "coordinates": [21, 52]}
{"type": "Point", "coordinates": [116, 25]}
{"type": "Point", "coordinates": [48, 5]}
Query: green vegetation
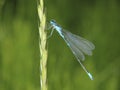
{"type": "Point", "coordinates": [95, 20]}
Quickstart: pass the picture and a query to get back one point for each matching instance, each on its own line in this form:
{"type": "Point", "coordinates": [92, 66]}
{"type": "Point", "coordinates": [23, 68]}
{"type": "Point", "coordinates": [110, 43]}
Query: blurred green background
{"type": "Point", "coordinates": [95, 20]}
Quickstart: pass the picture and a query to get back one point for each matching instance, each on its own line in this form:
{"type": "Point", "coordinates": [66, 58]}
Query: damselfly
{"type": "Point", "coordinates": [78, 45]}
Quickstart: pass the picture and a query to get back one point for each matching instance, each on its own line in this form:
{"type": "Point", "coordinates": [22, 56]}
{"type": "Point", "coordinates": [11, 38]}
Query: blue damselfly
{"type": "Point", "coordinates": [78, 45]}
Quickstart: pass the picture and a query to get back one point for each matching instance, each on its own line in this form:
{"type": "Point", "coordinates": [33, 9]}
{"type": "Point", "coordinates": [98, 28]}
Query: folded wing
{"type": "Point", "coordinates": [78, 45]}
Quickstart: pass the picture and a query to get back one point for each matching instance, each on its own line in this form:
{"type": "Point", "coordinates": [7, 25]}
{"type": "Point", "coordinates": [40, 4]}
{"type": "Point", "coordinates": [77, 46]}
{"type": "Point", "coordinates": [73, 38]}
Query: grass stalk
{"type": "Point", "coordinates": [42, 45]}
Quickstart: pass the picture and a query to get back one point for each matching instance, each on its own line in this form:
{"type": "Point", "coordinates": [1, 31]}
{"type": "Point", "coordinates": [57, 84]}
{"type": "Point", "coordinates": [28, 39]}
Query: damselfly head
{"type": "Point", "coordinates": [52, 22]}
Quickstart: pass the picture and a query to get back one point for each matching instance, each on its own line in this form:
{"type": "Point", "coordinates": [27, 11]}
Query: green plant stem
{"type": "Point", "coordinates": [42, 45]}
